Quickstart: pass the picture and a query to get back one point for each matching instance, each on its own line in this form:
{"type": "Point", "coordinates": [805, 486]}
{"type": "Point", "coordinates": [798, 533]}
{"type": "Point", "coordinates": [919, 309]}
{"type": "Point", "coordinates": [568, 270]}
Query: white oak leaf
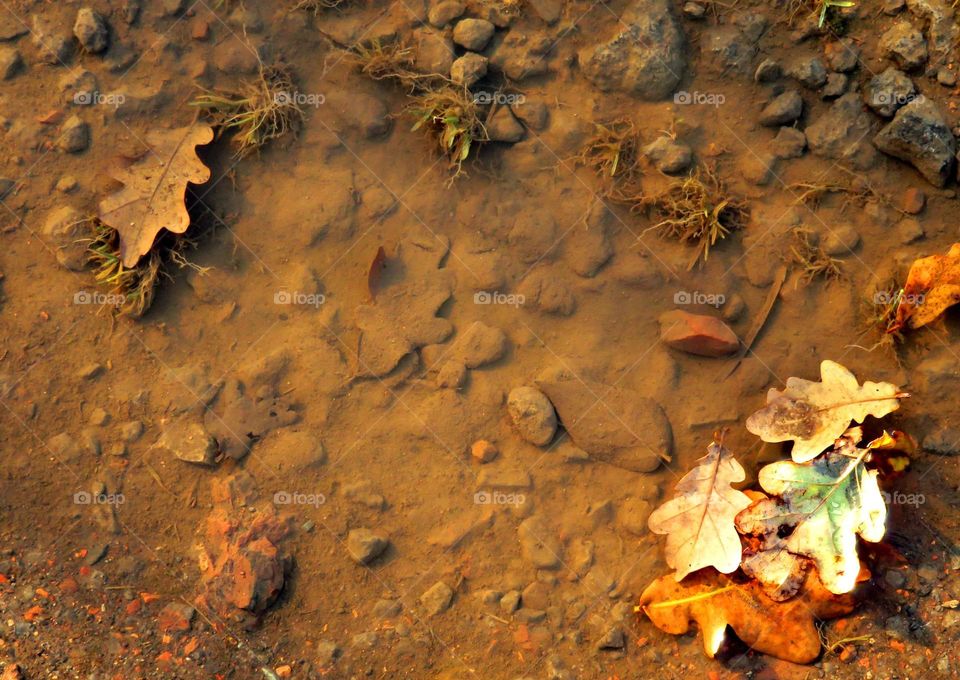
{"type": "Point", "coordinates": [699, 519]}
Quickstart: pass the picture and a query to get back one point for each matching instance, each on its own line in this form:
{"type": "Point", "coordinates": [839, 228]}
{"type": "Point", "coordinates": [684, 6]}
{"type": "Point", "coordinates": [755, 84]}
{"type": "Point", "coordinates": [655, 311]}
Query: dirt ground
{"type": "Point", "coordinates": [334, 521]}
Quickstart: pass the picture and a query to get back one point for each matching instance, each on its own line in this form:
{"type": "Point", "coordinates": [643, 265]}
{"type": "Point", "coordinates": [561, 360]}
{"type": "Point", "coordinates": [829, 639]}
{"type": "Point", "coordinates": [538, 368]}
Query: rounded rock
{"type": "Point", "coordinates": [532, 414]}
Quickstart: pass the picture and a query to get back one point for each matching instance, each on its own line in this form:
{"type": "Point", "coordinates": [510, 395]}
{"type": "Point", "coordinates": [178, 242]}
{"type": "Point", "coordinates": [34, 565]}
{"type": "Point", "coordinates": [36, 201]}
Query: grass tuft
{"type": "Point", "coordinates": [697, 210]}
{"type": "Point", "coordinates": [262, 110]}
{"type": "Point", "coordinates": [613, 152]}
{"type": "Point", "coordinates": [812, 259]}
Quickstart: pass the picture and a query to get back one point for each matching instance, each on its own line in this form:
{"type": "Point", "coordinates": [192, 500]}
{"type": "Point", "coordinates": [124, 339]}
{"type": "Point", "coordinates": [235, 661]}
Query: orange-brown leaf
{"type": "Point", "coordinates": [786, 630]}
{"type": "Point", "coordinates": [933, 284]}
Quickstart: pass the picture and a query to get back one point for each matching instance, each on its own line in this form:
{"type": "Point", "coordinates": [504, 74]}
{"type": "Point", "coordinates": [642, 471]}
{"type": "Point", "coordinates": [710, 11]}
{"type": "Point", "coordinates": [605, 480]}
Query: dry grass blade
{"type": "Point", "coordinates": [614, 154]}
{"type": "Point", "coordinates": [262, 110]}
{"type": "Point", "coordinates": [391, 61]}
{"type": "Point", "coordinates": [697, 210]}
{"type": "Point", "coordinates": [810, 256]}
{"type": "Point", "coordinates": [812, 194]}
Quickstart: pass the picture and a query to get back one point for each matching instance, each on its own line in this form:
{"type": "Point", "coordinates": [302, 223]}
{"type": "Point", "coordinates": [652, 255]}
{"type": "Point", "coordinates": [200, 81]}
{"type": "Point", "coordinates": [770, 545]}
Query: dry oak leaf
{"type": "Point", "coordinates": [815, 414]}
{"type": "Point", "coordinates": [819, 509]}
{"type": "Point", "coordinates": [699, 520]}
{"type": "Point", "coordinates": [933, 284]}
{"type": "Point", "coordinates": [786, 630]}
{"type": "Point", "coordinates": [154, 187]}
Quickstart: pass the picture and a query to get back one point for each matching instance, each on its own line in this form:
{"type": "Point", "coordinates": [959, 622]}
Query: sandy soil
{"type": "Point", "coordinates": [333, 412]}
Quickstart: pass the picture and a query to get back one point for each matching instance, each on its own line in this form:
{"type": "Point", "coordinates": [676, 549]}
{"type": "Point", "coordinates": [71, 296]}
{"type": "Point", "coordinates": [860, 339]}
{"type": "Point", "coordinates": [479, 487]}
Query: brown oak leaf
{"type": "Point", "coordinates": [154, 188]}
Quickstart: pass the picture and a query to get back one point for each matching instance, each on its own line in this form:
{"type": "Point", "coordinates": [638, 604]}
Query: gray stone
{"type": "Point", "coordinates": [920, 136]}
{"type": "Point", "coordinates": [532, 414]}
{"type": "Point", "coordinates": [74, 135]}
{"type": "Point", "coordinates": [437, 599]}
{"type": "Point", "coordinates": [646, 58]}
{"type": "Point", "coordinates": [443, 13]}
{"type": "Point", "coordinates": [510, 601]}
{"type": "Point", "coordinates": [91, 31]}
{"type": "Point", "coordinates": [54, 46]}
{"type": "Point", "coordinates": [473, 34]}
{"type": "Point", "coordinates": [365, 545]}
{"type": "Point", "coordinates": [670, 156]}
{"type": "Point", "coordinates": [842, 55]}
{"type": "Point", "coordinates": [504, 127]}
{"type": "Point", "coordinates": [768, 71]}
{"type": "Point", "coordinates": [886, 92]}
{"type": "Point", "coordinates": [783, 109]}
{"type": "Point", "coordinates": [732, 47]}
{"type": "Point", "coordinates": [808, 72]}
{"type": "Point", "coordinates": [189, 441]}
{"type": "Point", "coordinates": [905, 44]}
{"type": "Point", "coordinates": [836, 85]}
{"type": "Point", "coordinates": [840, 240]}
{"type": "Point", "coordinates": [434, 51]}
{"type": "Point", "coordinates": [841, 133]}
{"type": "Point", "coordinates": [789, 143]}
{"type": "Point", "coordinates": [469, 69]}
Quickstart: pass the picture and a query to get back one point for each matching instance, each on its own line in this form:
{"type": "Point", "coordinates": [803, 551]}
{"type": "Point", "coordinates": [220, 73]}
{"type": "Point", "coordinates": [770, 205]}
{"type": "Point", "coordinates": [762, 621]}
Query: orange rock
{"type": "Point", "coordinates": [697, 334]}
{"type": "Point", "coordinates": [176, 617]}
{"type": "Point", "coordinates": [914, 200]}
{"type": "Point", "coordinates": [483, 451]}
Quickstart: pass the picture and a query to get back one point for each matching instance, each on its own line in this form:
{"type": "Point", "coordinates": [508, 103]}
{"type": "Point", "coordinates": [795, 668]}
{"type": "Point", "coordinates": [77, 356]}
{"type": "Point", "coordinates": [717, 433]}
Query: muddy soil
{"type": "Point", "coordinates": [275, 472]}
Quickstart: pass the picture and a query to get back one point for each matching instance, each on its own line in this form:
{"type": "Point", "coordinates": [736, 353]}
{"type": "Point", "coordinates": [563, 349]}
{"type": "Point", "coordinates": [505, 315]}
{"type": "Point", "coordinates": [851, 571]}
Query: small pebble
{"type": "Point", "coordinates": [483, 451]}
{"type": "Point", "coordinates": [914, 201]}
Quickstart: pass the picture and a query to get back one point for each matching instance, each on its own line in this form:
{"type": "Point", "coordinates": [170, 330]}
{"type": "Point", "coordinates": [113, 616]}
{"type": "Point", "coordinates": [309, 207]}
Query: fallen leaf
{"type": "Point", "coordinates": [375, 272]}
{"type": "Point", "coordinates": [779, 571]}
{"type": "Point", "coordinates": [153, 196]}
{"type": "Point", "coordinates": [814, 414]}
{"type": "Point", "coordinates": [612, 424]}
{"type": "Point", "coordinates": [699, 520]}
{"type": "Point", "coordinates": [786, 630]}
{"type": "Point", "coordinates": [933, 284]}
{"type": "Point", "coordinates": [819, 509]}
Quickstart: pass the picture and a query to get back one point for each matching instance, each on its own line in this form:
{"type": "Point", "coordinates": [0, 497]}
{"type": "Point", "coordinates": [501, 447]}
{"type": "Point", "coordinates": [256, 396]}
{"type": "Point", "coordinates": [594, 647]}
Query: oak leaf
{"type": "Point", "coordinates": [699, 519]}
{"type": "Point", "coordinates": [818, 510]}
{"type": "Point", "coordinates": [814, 414]}
{"type": "Point", "coordinates": [786, 630]}
{"type": "Point", "coordinates": [932, 285]}
{"type": "Point", "coordinates": [153, 196]}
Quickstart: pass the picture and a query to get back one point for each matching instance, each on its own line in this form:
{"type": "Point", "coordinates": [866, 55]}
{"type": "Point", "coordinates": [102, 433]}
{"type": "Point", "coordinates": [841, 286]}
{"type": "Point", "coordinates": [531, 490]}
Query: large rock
{"type": "Point", "coordinates": [613, 425]}
{"type": "Point", "coordinates": [942, 30]}
{"type": "Point", "coordinates": [840, 133]}
{"type": "Point", "coordinates": [697, 334]}
{"type": "Point", "coordinates": [919, 135]}
{"type": "Point", "coordinates": [783, 109]}
{"type": "Point", "coordinates": [646, 58]}
{"type": "Point", "coordinates": [904, 44]}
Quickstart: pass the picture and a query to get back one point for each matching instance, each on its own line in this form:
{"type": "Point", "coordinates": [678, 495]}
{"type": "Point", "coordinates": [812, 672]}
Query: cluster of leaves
{"type": "Point", "coordinates": [793, 542]}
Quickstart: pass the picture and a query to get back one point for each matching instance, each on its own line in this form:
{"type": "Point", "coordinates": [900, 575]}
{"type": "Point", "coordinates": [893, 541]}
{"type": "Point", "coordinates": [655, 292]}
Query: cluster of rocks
{"type": "Point", "coordinates": [467, 47]}
{"type": "Point", "coordinates": [917, 134]}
